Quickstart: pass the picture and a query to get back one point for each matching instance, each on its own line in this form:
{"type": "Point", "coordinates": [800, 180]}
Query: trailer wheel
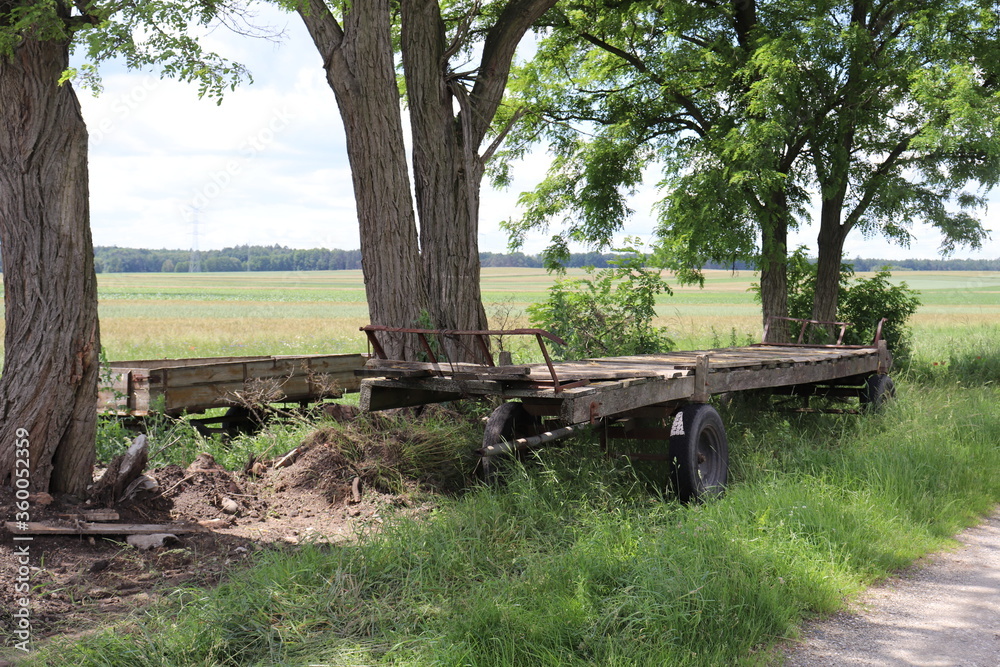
{"type": "Point", "coordinates": [699, 453]}
{"type": "Point", "coordinates": [240, 420]}
{"type": "Point", "coordinates": [879, 389]}
{"type": "Point", "coordinates": [508, 422]}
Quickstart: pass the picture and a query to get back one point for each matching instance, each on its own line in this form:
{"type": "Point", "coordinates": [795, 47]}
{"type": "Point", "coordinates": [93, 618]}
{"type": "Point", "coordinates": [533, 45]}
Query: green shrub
{"type": "Point", "coordinates": [861, 301]}
{"type": "Point", "coordinates": [867, 300]}
{"type": "Point", "coordinates": [609, 313]}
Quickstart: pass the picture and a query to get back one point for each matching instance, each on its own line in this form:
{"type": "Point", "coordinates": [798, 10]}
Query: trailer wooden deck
{"type": "Point", "coordinates": [596, 388]}
{"type": "Point", "coordinates": [554, 399]}
{"type": "Point", "coordinates": [178, 386]}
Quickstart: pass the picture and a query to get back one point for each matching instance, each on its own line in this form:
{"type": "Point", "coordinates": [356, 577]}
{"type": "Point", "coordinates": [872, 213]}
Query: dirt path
{"type": "Point", "coordinates": [945, 613]}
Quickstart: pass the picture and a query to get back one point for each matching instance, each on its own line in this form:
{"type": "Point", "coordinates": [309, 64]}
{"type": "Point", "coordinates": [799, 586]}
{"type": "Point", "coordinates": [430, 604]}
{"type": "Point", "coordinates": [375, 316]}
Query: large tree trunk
{"type": "Point", "coordinates": [774, 269]}
{"type": "Point", "coordinates": [831, 251]}
{"type": "Point", "coordinates": [358, 59]}
{"type": "Point", "coordinates": [447, 173]}
{"type": "Point", "coordinates": [48, 391]}
{"type": "Point", "coordinates": [448, 168]}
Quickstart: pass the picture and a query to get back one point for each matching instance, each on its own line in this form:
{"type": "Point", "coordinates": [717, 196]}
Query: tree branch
{"type": "Point", "coordinates": [326, 32]}
{"type": "Point", "coordinates": [498, 53]}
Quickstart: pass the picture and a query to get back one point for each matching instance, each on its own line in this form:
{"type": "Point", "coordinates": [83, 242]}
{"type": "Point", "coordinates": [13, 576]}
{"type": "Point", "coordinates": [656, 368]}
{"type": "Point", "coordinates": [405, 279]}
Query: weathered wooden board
{"type": "Point", "coordinates": [85, 528]}
{"type": "Point", "coordinates": [610, 398]}
{"type": "Point", "coordinates": [192, 361]}
{"type": "Point", "coordinates": [239, 371]}
{"type": "Point", "coordinates": [743, 379]}
{"type": "Point", "coordinates": [373, 365]}
{"type": "Point", "coordinates": [376, 397]}
{"type": "Point", "coordinates": [195, 385]}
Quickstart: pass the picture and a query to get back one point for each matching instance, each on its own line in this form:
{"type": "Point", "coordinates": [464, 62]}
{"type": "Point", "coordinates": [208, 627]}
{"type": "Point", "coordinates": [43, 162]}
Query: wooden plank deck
{"type": "Point", "coordinates": [618, 384]}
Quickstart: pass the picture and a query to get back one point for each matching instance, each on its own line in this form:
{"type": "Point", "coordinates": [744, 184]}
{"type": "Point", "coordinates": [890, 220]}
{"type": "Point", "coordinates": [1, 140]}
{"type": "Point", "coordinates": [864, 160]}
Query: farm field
{"type": "Point", "coordinates": [148, 316]}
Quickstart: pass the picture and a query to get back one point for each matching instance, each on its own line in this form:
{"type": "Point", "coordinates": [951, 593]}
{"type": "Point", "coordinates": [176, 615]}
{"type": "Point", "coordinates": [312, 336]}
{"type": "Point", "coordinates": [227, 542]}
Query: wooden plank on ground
{"type": "Point", "coordinates": [86, 528]}
{"type": "Point", "coordinates": [91, 515]}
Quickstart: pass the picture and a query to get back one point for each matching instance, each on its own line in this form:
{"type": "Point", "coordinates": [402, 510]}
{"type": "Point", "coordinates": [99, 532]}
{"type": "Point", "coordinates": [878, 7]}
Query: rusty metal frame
{"type": "Point", "coordinates": [481, 340]}
{"type": "Point", "coordinates": [802, 331]}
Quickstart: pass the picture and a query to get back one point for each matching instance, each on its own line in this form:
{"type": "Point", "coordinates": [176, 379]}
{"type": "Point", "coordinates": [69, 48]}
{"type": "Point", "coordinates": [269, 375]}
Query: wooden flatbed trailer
{"type": "Point", "coordinates": [177, 387]}
{"type": "Point", "coordinates": [655, 396]}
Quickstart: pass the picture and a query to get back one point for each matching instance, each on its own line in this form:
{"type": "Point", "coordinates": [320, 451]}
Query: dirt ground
{"type": "Point", "coordinates": [79, 582]}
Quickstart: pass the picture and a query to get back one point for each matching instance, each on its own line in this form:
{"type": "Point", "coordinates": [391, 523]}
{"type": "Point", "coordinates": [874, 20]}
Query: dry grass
{"type": "Point", "coordinates": [182, 315]}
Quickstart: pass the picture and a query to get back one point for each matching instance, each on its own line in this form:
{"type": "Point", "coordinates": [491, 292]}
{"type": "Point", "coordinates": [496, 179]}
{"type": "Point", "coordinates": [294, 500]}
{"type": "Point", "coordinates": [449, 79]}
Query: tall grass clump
{"type": "Point", "coordinates": [577, 561]}
{"type": "Point", "coordinates": [968, 356]}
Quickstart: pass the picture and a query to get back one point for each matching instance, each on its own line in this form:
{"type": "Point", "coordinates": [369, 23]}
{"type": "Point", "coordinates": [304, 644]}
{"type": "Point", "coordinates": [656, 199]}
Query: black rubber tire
{"type": "Point", "coordinates": [507, 422]}
{"type": "Point", "coordinates": [879, 389]}
{"type": "Point", "coordinates": [240, 421]}
{"type": "Point", "coordinates": [699, 453]}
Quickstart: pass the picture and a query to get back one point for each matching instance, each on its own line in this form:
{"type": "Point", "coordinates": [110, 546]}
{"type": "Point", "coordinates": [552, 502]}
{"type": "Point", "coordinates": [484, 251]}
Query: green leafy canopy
{"type": "Point", "coordinates": [886, 112]}
{"type": "Point", "coordinates": [161, 34]}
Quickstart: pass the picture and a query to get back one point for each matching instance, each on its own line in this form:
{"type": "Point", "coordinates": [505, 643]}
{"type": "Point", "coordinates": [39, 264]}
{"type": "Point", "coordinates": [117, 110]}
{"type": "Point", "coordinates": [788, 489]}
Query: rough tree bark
{"type": "Point", "coordinates": [449, 124]}
{"type": "Point", "coordinates": [447, 172]}
{"type": "Point", "coordinates": [830, 244]}
{"type": "Point", "coordinates": [774, 268]}
{"type": "Point", "coordinates": [447, 163]}
{"type": "Point", "coordinates": [358, 59]}
{"type": "Point", "coordinates": [49, 382]}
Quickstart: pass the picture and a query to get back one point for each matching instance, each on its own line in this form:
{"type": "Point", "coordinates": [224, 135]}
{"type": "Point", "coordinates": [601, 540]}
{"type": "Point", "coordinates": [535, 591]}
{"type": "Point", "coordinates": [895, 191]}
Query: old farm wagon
{"type": "Point", "coordinates": [662, 397]}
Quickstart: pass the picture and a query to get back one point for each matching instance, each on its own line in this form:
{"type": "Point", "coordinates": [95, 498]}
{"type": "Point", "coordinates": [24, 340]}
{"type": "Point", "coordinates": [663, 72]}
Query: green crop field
{"type": "Point", "coordinates": [146, 316]}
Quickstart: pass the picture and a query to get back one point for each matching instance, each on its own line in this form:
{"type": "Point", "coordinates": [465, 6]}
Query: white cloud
{"type": "Point", "coordinates": [269, 164]}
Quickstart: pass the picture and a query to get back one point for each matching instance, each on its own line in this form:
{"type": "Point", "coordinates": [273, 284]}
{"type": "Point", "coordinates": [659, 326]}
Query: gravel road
{"type": "Point", "coordinates": [945, 613]}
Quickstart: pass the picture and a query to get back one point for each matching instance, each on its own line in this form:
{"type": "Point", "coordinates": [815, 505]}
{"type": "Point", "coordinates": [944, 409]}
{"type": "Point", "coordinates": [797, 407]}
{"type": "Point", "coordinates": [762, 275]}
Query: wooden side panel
{"type": "Point", "coordinates": [200, 386]}
{"type": "Point", "coordinates": [612, 398]}
{"type": "Point", "coordinates": [742, 379]}
{"type": "Point", "coordinates": [168, 363]}
{"type": "Point", "coordinates": [375, 397]}
{"type": "Point", "coordinates": [276, 367]}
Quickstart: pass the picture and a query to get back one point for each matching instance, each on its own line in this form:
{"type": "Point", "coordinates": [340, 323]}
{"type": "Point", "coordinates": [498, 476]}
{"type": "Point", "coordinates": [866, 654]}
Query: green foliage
{"type": "Point", "coordinates": [576, 564]}
{"type": "Point", "coordinates": [863, 302]}
{"type": "Point", "coordinates": [868, 300]}
{"type": "Point", "coordinates": [609, 313]}
{"type": "Point", "coordinates": [802, 274]}
{"type": "Point", "coordinates": [888, 114]}
{"type": "Point", "coordinates": [143, 34]}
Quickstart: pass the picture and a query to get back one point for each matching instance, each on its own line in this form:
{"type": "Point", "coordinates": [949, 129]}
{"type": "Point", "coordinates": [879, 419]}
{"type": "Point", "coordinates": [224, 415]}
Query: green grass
{"type": "Point", "coordinates": [578, 562]}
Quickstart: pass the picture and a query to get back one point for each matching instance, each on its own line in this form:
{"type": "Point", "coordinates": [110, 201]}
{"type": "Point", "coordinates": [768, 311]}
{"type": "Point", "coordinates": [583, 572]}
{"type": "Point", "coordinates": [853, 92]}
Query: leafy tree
{"type": "Point", "coordinates": [456, 58]}
{"type": "Point", "coordinates": [887, 109]}
{"type": "Point", "coordinates": [48, 389]}
{"type": "Point", "coordinates": [866, 301]}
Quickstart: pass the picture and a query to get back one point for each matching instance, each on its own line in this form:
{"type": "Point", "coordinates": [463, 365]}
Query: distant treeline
{"type": "Point", "coordinates": [112, 259]}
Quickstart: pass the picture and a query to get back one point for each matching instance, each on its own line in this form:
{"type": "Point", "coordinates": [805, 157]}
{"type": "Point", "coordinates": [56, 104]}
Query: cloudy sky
{"type": "Point", "coordinates": [269, 166]}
